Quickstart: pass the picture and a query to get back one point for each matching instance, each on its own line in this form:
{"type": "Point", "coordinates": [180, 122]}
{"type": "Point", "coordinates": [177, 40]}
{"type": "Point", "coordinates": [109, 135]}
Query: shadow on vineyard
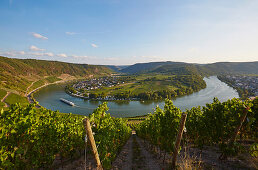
{"type": "Point", "coordinates": [219, 135]}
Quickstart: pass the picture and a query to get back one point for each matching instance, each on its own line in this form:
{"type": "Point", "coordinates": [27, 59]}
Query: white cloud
{"type": "Point", "coordinates": [71, 33]}
{"type": "Point", "coordinates": [41, 54]}
{"type": "Point", "coordinates": [36, 53]}
{"type": "Point", "coordinates": [34, 48]}
{"type": "Point", "coordinates": [12, 53]}
{"type": "Point", "coordinates": [61, 55]}
{"type": "Point", "coordinates": [36, 35]}
{"type": "Point", "coordinates": [94, 45]}
{"type": "Point", "coordinates": [77, 56]}
{"type": "Point", "coordinates": [21, 53]}
{"type": "Point", "coordinates": [48, 54]}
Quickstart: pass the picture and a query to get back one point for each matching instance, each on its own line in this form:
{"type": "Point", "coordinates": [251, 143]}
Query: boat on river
{"type": "Point", "coordinates": [67, 102]}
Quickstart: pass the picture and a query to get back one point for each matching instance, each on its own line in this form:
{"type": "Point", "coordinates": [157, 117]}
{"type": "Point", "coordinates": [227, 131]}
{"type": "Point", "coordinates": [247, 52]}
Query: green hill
{"type": "Point", "coordinates": [19, 74]}
{"type": "Point", "coordinates": [182, 69]}
{"type": "Point", "coordinates": [233, 67]}
{"type": "Point", "coordinates": [186, 68]}
{"type": "Point", "coordinates": [147, 67]}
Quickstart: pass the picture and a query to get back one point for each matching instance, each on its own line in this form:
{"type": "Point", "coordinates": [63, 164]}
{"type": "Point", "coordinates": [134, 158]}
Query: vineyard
{"type": "Point", "coordinates": [32, 138]}
{"type": "Point", "coordinates": [212, 125]}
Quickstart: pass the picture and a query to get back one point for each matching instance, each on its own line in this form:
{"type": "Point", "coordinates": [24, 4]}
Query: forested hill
{"type": "Point", "coordinates": [182, 69]}
{"type": "Point", "coordinates": [233, 67]}
{"type": "Point", "coordinates": [117, 68]}
{"type": "Point", "coordinates": [146, 67]}
{"type": "Point", "coordinates": [18, 74]}
{"type": "Point", "coordinates": [204, 69]}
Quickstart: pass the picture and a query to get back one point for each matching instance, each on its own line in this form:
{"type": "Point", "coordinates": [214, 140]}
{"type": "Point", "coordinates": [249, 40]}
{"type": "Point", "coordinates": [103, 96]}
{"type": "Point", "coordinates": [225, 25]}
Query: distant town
{"type": "Point", "coordinates": [247, 85]}
{"type": "Point", "coordinates": [97, 83]}
{"type": "Point", "coordinates": [81, 89]}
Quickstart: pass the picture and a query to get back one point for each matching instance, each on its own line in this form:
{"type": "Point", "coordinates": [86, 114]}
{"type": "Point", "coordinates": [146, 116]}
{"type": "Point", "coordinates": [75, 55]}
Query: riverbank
{"type": "Point", "coordinates": [137, 87]}
{"type": "Point", "coordinates": [30, 94]}
{"type": "Point", "coordinates": [49, 96]}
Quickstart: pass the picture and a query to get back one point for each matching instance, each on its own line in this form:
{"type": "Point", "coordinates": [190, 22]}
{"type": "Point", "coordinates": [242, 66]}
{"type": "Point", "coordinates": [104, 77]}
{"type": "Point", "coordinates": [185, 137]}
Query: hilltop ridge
{"type": "Point", "coordinates": [206, 69]}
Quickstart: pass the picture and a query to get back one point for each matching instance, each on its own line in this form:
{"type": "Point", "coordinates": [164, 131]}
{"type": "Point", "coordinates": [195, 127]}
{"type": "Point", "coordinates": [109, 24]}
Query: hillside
{"type": "Point", "coordinates": [116, 68]}
{"type": "Point", "coordinates": [182, 69]}
{"type": "Point", "coordinates": [145, 67]}
{"type": "Point", "coordinates": [19, 74]}
{"type": "Point", "coordinates": [233, 67]}
{"type": "Point", "coordinates": [203, 69]}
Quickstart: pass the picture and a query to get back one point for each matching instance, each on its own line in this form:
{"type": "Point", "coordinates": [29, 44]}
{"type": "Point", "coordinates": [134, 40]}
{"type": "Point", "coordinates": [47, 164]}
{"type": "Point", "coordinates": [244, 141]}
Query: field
{"type": "Point", "coordinates": [152, 87]}
{"type": "Point", "coordinates": [15, 98]}
{"type": "Point", "coordinates": [142, 84]}
{"type": "Point", "coordinates": [2, 93]}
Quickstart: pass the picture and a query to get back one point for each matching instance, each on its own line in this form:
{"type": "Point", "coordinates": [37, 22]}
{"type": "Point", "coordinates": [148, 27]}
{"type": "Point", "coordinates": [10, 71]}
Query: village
{"type": "Point", "coordinates": [82, 88]}
{"type": "Point", "coordinates": [97, 83]}
{"type": "Point", "coordinates": [249, 83]}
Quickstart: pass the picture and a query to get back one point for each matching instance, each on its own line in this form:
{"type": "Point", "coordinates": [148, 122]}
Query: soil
{"type": "Point", "coordinates": [140, 154]}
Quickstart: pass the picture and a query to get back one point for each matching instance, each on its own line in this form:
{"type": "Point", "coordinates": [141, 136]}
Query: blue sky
{"type": "Point", "coordinates": [125, 32]}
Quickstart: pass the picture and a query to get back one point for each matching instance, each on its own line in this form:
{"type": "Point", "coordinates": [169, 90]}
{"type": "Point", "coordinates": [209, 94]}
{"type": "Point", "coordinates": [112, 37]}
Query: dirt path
{"type": "Point", "coordinates": [135, 156]}
{"type": "Point", "coordinates": [141, 155]}
{"type": "Point", "coordinates": [3, 99]}
{"type": "Point", "coordinates": [124, 159]}
{"type": "Point", "coordinates": [149, 160]}
{"type": "Point", "coordinates": [26, 94]}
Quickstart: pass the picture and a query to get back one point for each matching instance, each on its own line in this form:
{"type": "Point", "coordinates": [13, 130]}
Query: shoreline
{"type": "Point", "coordinates": [30, 97]}
{"type": "Point", "coordinates": [119, 107]}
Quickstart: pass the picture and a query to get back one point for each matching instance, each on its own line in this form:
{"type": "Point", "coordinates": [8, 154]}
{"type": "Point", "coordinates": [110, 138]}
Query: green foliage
{"type": "Point", "coordinates": [254, 150]}
{"type": "Point", "coordinates": [110, 133]}
{"type": "Point", "coordinates": [211, 125]}
{"type": "Point", "coordinates": [216, 122]}
{"type": "Point", "coordinates": [31, 138]}
{"type": "Point", "coordinates": [37, 84]}
{"type": "Point", "coordinates": [52, 79]}
{"type": "Point", "coordinates": [161, 127]}
{"type": "Point", "coordinates": [1, 105]}
{"type": "Point", "coordinates": [2, 93]}
{"type": "Point", "coordinates": [15, 98]}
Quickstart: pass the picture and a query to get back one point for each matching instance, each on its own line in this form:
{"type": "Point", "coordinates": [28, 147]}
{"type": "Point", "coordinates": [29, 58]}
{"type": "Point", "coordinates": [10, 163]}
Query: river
{"type": "Point", "coordinates": [49, 97]}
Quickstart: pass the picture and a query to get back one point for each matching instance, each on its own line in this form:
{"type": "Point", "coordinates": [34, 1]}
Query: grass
{"type": "Point", "coordinates": [1, 106]}
{"type": "Point", "coordinates": [2, 94]}
{"type": "Point", "coordinates": [37, 84]}
{"type": "Point", "coordinates": [52, 79]}
{"type": "Point", "coordinates": [15, 98]}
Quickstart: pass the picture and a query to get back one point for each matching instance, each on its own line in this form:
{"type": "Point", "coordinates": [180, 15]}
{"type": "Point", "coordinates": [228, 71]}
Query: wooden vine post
{"type": "Point", "coordinates": [178, 139]}
{"type": "Point", "coordinates": [88, 130]}
{"type": "Point", "coordinates": [234, 136]}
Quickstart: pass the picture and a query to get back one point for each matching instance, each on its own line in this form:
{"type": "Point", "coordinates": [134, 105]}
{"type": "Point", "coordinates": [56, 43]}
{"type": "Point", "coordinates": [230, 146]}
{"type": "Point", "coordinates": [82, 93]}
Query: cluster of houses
{"type": "Point", "coordinates": [245, 82]}
{"type": "Point", "coordinates": [83, 87]}
{"type": "Point", "coordinates": [97, 83]}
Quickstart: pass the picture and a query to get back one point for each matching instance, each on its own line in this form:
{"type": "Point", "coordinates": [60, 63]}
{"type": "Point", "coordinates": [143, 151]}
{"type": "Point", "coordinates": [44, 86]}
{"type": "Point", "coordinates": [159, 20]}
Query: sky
{"type": "Point", "coordinates": [123, 32]}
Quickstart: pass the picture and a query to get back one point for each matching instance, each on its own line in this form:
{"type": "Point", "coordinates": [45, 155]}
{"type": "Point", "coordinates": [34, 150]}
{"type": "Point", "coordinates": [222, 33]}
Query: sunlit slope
{"type": "Point", "coordinates": [19, 74]}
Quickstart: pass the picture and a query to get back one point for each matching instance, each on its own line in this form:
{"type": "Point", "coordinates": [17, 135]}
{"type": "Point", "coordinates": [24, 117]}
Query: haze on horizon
{"type": "Point", "coordinates": [120, 32]}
